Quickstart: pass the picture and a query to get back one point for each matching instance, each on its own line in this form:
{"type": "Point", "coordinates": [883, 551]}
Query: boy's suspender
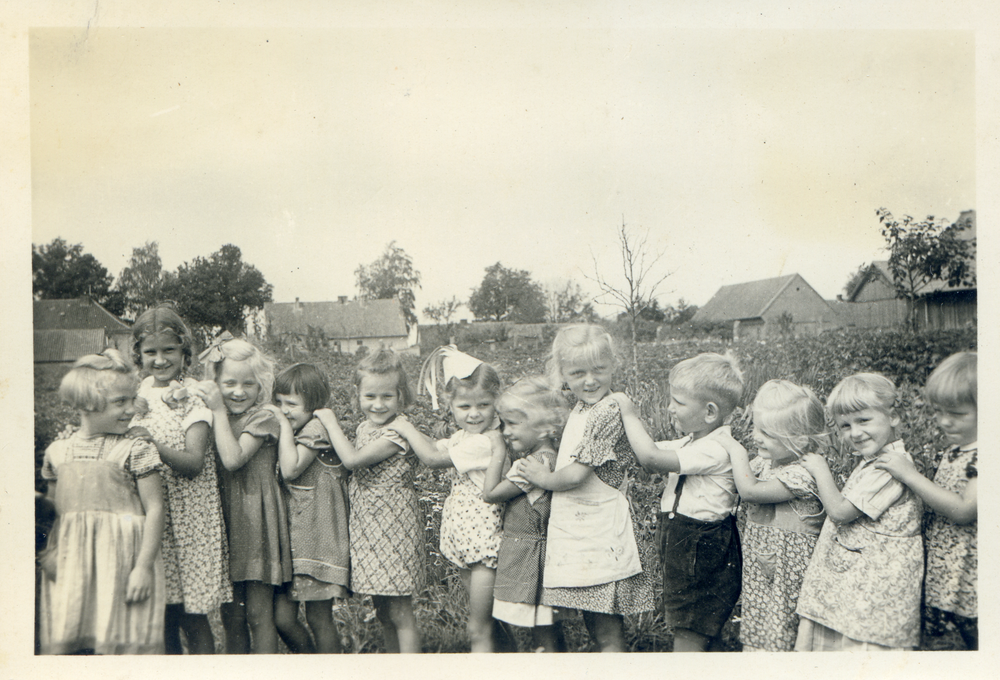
{"type": "Point", "coordinates": [677, 496]}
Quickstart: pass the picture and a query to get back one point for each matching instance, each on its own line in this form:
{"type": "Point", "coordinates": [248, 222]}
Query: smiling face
{"type": "Point", "coordinates": [162, 357]}
{"type": "Point", "coordinates": [473, 410]}
{"type": "Point", "coordinates": [769, 447]}
{"type": "Point", "coordinates": [589, 381]}
{"type": "Point", "coordinates": [867, 430]}
{"type": "Point", "coordinates": [117, 413]}
{"type": "Point", "coordinates": [521, 434]}
{"type": "Point", "coordinates": [238, 385]}
{"type": "Point", "coordinates": [294, 408]}
{"type": "Point", "coordinates": [958, 423]}
{"type": "Point", "coordinates": [378, 394]}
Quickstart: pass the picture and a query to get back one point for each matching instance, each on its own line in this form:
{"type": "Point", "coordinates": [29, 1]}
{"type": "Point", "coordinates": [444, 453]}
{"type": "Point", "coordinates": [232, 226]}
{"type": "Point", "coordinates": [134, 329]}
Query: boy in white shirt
{"type": "Point", "coordinates": [697, 536]}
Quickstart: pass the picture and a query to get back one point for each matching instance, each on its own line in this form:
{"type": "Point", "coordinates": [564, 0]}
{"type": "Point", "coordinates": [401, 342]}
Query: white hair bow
{"type": "Point", "coordinates": [440, 366]}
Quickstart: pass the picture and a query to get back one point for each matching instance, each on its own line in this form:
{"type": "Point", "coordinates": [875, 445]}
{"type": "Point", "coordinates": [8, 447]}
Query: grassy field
{"type": "Point", "coordinates": [819, 362]}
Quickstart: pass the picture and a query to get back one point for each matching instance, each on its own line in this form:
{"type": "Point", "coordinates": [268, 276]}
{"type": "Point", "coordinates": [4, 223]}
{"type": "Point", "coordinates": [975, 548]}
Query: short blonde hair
{"type": "Point", "coordinates": [860, 391]}
{"type": "Point", "coordinates": [791, 414]}
{"type": "Point", "coordinates": [261, 365]}
{"type": "Point", "coordinates": [953, 382]}
{"type": "Point", "coordinates": [534, 398]}
{"type": "Point", "coordinates": [580, 342]}
{"type": "Point", "coordinates": [712, 377]}
{"type": "Point", "coordinates": [87, 384]}
{"type": "Point", "coordinates": [384, 361]}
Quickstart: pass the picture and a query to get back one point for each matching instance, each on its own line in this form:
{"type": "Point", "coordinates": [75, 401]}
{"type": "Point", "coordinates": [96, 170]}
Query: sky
{"type": "Point", "coordinates": [739, 154]}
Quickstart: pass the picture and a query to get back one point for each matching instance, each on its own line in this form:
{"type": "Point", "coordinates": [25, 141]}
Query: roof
{"type": "Point", "coordinates": [748, 300]}
{"type": "Point", "coordinates": [339, 320]}
{"type": "Point", "coordinates": [68, 345]}
{"type": "Point", "coordinates": [75, 314]}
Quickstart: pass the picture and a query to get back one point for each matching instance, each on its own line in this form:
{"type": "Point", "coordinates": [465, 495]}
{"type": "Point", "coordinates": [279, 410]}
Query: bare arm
{"type": "Point", "coordinates": [293, 459]}
{"type": "Point", "coordinates": [234, 453]}
{"type": "Point", "coordinates": [49, 557]}
{"type": "Point", "coordinates": [959, 508]}
{"type": "Point", "coordinates": [650, 456]}
{"type": "Point", "coordinates": [428, 451]}
{"type": "Point", "coordinates": [190, 460]}
{"type": "Point", "coordinates": [752, 489]}
{"type": "Point", "coordinates": [140, 579]}
{"type": "Point", "coordinates": [838, 508]}
{"type": "Point", "coordinates": [354, 459]}
{"type": "Point", "coordinates": [496, 489]}
{"type": "Point", "coordinates": [563, 479]}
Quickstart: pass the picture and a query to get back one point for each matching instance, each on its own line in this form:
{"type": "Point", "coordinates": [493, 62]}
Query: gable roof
{"type": "Point", "coordinates": [67, 345]}
{"type": "Point", "coordinates": [339, 320]}
{"type": "Point", "coordinates": [748, 300]}
{"type": "Point", "coordinates": [75, 314]}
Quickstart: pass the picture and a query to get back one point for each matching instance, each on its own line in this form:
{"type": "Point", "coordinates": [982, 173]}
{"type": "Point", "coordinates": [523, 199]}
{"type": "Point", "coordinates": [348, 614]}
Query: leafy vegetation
{"type": "Point", "coordinates": [391, 277]}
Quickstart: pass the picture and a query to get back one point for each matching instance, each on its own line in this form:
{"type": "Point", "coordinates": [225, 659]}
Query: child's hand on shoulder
{"type": "Point", "coordinates": [325, 414]}
{"type": "Point", "coordinates": [141, 406]}
{"type": "Point", "coordinates": [814, 463]}
{"type": "Point", "coordinates": [175, 394]}
{"type": "Point", "coordinates": [138, 432]}
{"type": "Point", "coordinates": [624, 403]}
{"type": "Point", "coordinates": [209, 392]}
{"type": "Point", "coordinates": [896, 464]}
{"type": "Point", "coordinates": [403, 428]}
{"type": "Point", "coordinates": [276, 412]}
{"type": "Point", "coordinates": [532, 469]}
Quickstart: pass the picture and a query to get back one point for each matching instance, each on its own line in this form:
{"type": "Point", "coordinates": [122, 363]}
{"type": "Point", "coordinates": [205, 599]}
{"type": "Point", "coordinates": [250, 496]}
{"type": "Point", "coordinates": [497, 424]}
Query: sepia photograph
{"type": "Point", "coordinates": [495, 328]}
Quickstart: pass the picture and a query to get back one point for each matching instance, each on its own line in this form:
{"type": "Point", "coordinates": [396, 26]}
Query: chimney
{"type": "Point", "coordinates": [298, 306]}
{"type": "Point", "coordinates": [342, 299]}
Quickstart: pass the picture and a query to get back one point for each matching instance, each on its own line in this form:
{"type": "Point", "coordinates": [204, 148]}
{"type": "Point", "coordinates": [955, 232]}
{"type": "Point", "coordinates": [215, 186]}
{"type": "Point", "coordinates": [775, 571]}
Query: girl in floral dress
{"type": "Point", "coordinates": [861, 590]}
{"type": "Point", "coordinates": [596, 560]}
{"type": "Point", "coordinates": [386, 524]}
{"type": "Point", "coordinates": [952, 553]}
{"type": "Point", "coordinates": [783, 512]}
{"type": "Point", "coordinates": [102, 589]}
{"type": "Point", "coordinates": [195, 553]}
{"type": "Point", "coordinates": [470, 527]}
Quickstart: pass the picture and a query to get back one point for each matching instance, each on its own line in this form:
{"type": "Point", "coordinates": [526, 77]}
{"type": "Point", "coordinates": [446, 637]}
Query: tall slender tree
{"type": "Point", "coordinates": [391, 276]}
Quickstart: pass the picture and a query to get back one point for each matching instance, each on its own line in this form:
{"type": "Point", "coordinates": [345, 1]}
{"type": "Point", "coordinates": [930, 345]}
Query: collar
{"type": "Point", "coordinates": [892, 447]}
{"type": "Point", "coordinates": [972, 446]}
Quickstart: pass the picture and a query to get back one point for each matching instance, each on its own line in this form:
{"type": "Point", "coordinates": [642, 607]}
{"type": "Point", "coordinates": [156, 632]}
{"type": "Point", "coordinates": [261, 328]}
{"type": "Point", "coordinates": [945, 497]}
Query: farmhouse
{"type": "Point", "coordinates": [65, 330]}
{"type": "Point", "coordinates": [873, 302]}
{"type": "Point", "coordinates": [766, 308]}
{"type": "Point", "coordinates": [343, 326]}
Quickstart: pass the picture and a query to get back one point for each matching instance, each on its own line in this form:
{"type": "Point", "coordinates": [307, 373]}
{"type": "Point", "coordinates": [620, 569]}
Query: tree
{"type": "Point", "coordinates": [141, 281]}
{"type": "Point", "coordinates": [61, 271]}
{"type": "Point", "coordinates": [391, 276]}
{"type": "Point", "coordinates": [444, 311]}
{"type": "Point", "coordinates": [854, 280]}
{"type": "Point", "coordinates": [568, 304]}
{"type": "Point", "coordinates": [923, 252]}
{"type": "Point", "coordinates": [508, 295]}
{"type": "Point", "coordinates": [682, 312]}
{"type": "Point", "coordinates": [218, 292]}
{"type": "Point", "coordinates": [635, 291]}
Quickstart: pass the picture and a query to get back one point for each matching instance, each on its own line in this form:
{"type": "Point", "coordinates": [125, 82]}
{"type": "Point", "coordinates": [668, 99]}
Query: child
{"type": "Point", "coordinates": [315, 485]}
{"type": "Point", "coordinates": [533, 415]}
{"type": "Point", "coordinates": [952, 555]}
{"type": "Point", "coordinates": [103, 586]}
{"type": "Point", "coordinates": [386, 524]}
{"type": "Point", "coordinates": [470, 527]}
{"type": "Point", "coordinates": [595, 559]}
{"type": "Point", "coordinates": [784, 513]}
{"type": "Point", "coordinates": [861, 590]}
{"type": "Point", "coordinates": [195, 554]}
{"type": "Point", "coordinates": [239, 382]}
{"type": "Point", "coordinates": [698, 541]}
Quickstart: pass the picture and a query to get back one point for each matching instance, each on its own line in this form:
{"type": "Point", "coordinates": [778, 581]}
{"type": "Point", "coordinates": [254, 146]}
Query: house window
{"type": "Point", "coordinates": [360, 342]}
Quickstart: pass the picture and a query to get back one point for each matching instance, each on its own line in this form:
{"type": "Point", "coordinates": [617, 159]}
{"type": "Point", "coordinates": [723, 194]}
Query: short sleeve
{"type": "Point", "coordinates": [472, 452]}
{"type": "Point", "coordinates": [544, 457]}
{"type": "Point", "coordinates": [704, 456]}
{"type": "Point", "coordinates": [314, 436]}
{"type": "Point", "coordinates": [872, 491]}
{"type": "Point", "coordinates": [54, 455]}
{"type": "Point", "coordinates": [797, 480]}
{"type": "Point", "coordinates": [143, 458]}
{"type": "Point", "coordinates": [198, 412]}
{"type": "Point", "coordinates": [602, 431]}
{"type": "Point", "coordinates": [262, 424]}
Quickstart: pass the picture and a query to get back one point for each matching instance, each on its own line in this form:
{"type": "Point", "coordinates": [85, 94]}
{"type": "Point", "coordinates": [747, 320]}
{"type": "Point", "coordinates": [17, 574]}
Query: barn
{"type": "Point", "coordinates": [65, 330]}
{"type": "Point", "coordinates": [343, 326]}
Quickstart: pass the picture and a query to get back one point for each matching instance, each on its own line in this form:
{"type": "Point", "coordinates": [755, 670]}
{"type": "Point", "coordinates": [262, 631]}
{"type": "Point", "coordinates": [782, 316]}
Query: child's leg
{"type": "Point", "coordinates": [479, 584]}
{"type": "Point", "coordinates": [260, 616]}
{"type": "Point", "coordinates": [172, 629]}
{"type": "Point", "coordinates": [399, 624]}
{"type": "Point", "coordinates": [546, 638]}
{"type": "Point", "coordinates": [319, 614]}
{"type": "Point", "coordinates": [607, 629]}
{"type": "Point", "coordinates": [234, 621]}
{"type": "Point", "coordinates": [198, 632]}
{"type": "Point", "coordinates": [286, 620]}
{"type": "Point", "coordinates": [686, 640]}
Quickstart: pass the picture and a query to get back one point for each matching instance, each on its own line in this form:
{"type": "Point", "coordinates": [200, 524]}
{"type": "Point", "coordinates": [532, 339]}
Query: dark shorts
{"type": "Point", "coordinates": [936, 626]}
{"type": "Point", "coordinates": [702, 572]}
